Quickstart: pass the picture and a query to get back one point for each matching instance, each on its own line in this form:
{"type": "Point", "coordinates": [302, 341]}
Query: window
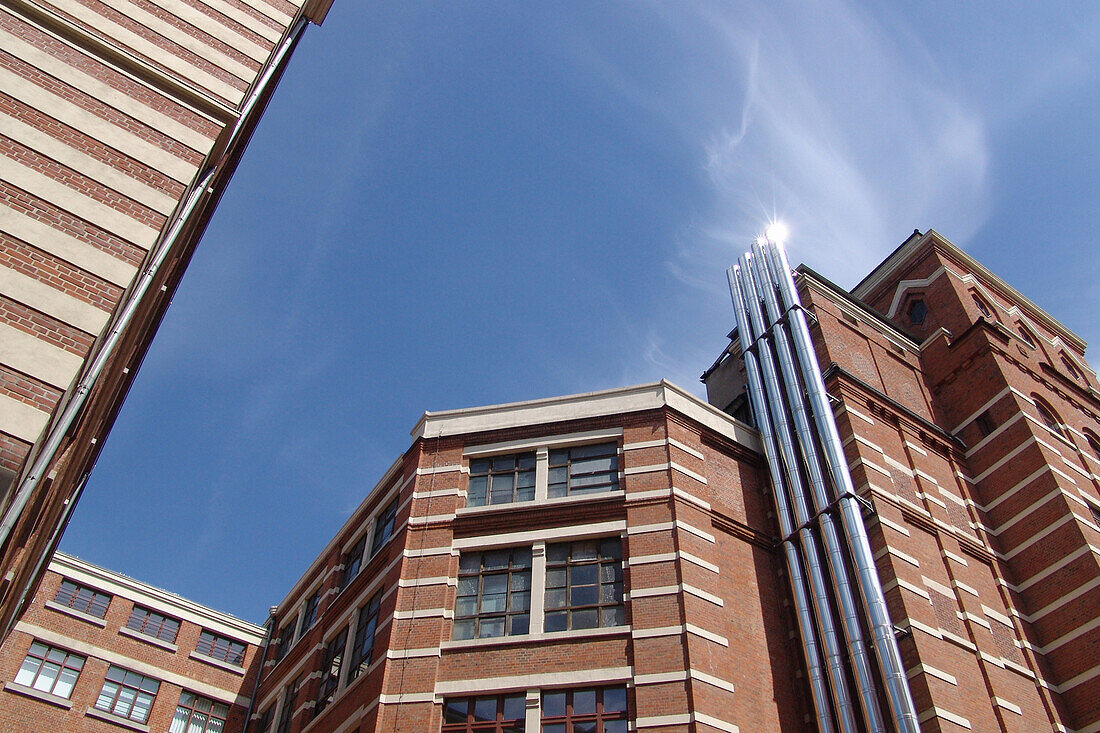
{"type": "Point", "coordinates": [383, 527]}
{"type": "Point", "coordinates": [917, 312]}
{"type": "Point", "coordinates": [362, 650]}
{"type": "Point", "coordinates": [309, 614]}
{"type": "Point", "coordinates": [263, 725]}
{"type": "Point", "coordinates": [490, 714]}
{"type": "Point", "coordinates": [196, 714]}
{"type": "Point", "coordinates": [601, 710]}
{"type": "Point", "coordinates": [584, 585]}
{"type": "Point", "coordinates": [584, 469]}
{"type": "Point", "coordinates": [1095, 514]}
{"type": "Point", "coordinates": [286, 638]}
{"type": "Point", "coordinates": [983, 307]}
{"type": "Point", "coordinates": [83, 599]}
{"type": "Point", "coordinates": [330, 671]}
{"type": "Point", "coordinates": [353, 561]}
{"type": "Point", "coordinates": [220, 648]}
{"type": "Point", "coordinates": [1093, 442]}
{"type": "Point", "coordinates": [1046, 412]}
{"type": "Point", "coordinates": [1071, 367]}
{"type": "Point", "coordinates": [154, 624]}
{"type": "Point", "coordinates": [49, 669]}
{"type": "Point", "coordinates": [494, 594]}
{"type": "Point", "coordinates": [127, 694]}
{"type": "Point", "coordinates": [290, 694]}
{"type": "Point", "coordinates": [501, 479]}
{"type": "Point", "coordinates": [985, 423]}
{"type": "Point", "coordinates": [1025, 334]}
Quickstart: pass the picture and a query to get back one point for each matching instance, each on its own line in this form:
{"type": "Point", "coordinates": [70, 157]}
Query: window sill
{"type": "Point", "coordinates": [536, 502]}
{"type": "Point", "coordinates": [547, 636]}
{"type": "Point", "coordinates": [46, 697]}
{"type": "Point", "coordinates": [235, 669]}
{"type": "Point", "coordinates": [126, 631]}
{"type": "Point", "coordinates": [89, 618]}
{"type": "Point", "coordinates": [116, 719]}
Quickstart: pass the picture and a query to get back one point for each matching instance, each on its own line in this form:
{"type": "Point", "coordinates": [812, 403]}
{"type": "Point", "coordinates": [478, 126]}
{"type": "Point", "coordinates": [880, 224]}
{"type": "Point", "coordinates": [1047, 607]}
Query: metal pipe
{"type": "Point", "coordinates": [773, 394]}
{"type": "Point", "coordinates": [818, 686]}
{"type": "Point", "coordinates": [861, 662]}
{"type": "Point", "coordinates": [898, 694]}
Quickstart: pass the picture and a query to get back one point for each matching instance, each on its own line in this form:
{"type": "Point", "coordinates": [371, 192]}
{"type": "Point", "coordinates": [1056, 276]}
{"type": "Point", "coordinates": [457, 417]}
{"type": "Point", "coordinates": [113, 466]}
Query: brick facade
{"type": "Point", "coordinates": [111, 635]}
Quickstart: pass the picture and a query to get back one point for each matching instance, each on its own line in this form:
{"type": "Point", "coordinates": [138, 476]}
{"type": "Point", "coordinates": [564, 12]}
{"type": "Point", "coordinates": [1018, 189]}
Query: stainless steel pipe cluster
{"type": "Point", "coordinates": [814, 494]}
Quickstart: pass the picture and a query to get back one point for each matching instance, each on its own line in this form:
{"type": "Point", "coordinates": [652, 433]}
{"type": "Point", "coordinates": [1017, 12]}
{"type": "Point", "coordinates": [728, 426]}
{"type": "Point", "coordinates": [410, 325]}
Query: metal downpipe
{"type": "Point", "coordinates": [874, 601]}
{"type": "Point", "coordinates": [818, 685]}
{"type": "Point", "coordinates": [773, 393]}
{"type": "Point", "coordinates": [861, 662]}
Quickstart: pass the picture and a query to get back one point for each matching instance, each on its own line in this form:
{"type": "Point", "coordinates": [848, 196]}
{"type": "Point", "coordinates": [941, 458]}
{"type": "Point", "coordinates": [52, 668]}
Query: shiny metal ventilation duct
{"type": "Point", "coordinates": [819, 511]}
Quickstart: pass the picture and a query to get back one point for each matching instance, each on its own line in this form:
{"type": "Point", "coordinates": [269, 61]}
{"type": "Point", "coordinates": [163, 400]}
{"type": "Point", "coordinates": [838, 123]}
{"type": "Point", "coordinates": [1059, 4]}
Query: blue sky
{"type": "Point", "coordinates": [455, 203]}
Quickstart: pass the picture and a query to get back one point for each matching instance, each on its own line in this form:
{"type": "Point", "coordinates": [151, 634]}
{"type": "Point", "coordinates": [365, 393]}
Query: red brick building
{"type": "Point", "coordinates": [610, 561]}
{"type": "Point", "coordinates": [99, 652]}
{"type": "Point", "coordinates": [121, 124]}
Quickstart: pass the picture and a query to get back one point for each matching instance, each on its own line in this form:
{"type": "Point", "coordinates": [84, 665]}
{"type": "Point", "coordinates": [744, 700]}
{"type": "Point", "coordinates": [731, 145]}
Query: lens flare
{"type": "Point", "coordinates": [776, 233]}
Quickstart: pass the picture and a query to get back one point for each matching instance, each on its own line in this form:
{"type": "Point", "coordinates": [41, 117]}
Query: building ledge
{"type": "Point", "coordinates": [45, 697]}
{"type": "Point", "coordinates": [116, 720]}
{"type": "Point", "coordinates": [89, 618]}
{"type": "Point", "coordinates": [235, 669]}
{"type": "Point", "coordinates": [145, 638]}
{"type": "Point", "coordinates": [546, 636]}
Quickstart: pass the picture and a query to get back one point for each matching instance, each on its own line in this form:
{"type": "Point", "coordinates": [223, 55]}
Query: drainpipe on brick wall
{"type": "Point", "coordinates": [269, 629]}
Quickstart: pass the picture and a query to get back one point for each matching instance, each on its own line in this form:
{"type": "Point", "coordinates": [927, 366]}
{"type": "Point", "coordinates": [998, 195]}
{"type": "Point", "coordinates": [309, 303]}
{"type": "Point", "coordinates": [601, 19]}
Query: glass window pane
{"type": "Point", "coordinates": [527, 494]}
{"type": "Point", "coordinates": [198, 723]}
{"type": "Point", "coordinates": [553, 728]}
{"type": "Point", "coordinates": [614, 726]}
{"type": "Point", "coordinates": [454, 711]}
{"type": "Point", "coordinates": [584, 550]}
{"type": "Point", "coordinates": [585, 619]}
{"type": "Point", "coordinates": [485, 708]}
{"type": "Point", "coordinates": [479, 465]}
{"type": "Point", "coordinates": [583, 595]}
{"type": "Point", "coordinates": [556, 621]}
{"type": "Point", "coordinates": [614, 699]}
{"type": "Point", "coordinates": [610, 594]}
{"type": "Point", "coordinates": [470, 562]}
{"type": "Point", "coordinates": [584, 574]}
{"type": "Point", "coordinates": [65, 682]}
{"type": "Point", "coordinates": [27, 671]}
{"type": "Point", "coordinates": [521, 557]}
{"type": "Point", "coordinates": [519, 602]}
{"type": "Point", "coordinates": [556, 598]}
{"type": "Point", "coordinates": [584, 702]}
{"type": "Point", "coordinates": [467, 586]}
{"type": "Point", "coordinates": [106, 695]}
{"type": "Point", "coordinates": [46, 676]}
{"type": "Point", "coordinates": [556, 491]}
{"type": "Point", "coordinates": [179, 721]}
{"type": "Point", "coordinates": [519, 624]}
{"type": "Point", "coordinates": [491, 627]}
{"type": "Point", "coordinates": [466, 606]}
{"type": "Point", "coordinates": [584, 726]}
{"type": "Point", "coordinates": [611, 549]}
{"type": "Point", "coordinates": [553, 704]}
{"type": "Point", "coordinates": [614, 616]}
{"type": "Point", "coordinates": [494, 583]}
{"type": "Point", "coordinates": [504, 463]}
{"type": "Point", "coordinates": [515, 707]}
{"type": "Point", "coordinates": [527, 460]}
{"type": "Point", "coordinates": [555, 578]}
{"type": "Point", "coordinates": [497, 559]}
{"type": "Point", "coordinates": [463, 630]}
{"type": "Point", "coordinates": [494, 603]}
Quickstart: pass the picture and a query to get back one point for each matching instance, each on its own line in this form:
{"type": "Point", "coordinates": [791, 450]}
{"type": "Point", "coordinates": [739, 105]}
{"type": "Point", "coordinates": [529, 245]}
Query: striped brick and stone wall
{"type": "Point", "coordinates": [110, 112]}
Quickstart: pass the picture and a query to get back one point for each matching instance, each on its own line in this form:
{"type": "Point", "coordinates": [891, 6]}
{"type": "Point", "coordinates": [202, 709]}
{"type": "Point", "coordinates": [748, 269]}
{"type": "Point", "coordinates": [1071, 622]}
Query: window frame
{"type": "Point", "coordinates": [356, 551]}
{"type": "Point", "coordinates": [570, 609]}
{"type": "Point", "coordinates": [309, 614]}
{"type": "Point", "coordinates": [213, 644]}
{"type": "Point", "coordinates": [612, 484]}
{"type": "Point", "coordinates": [369, 614]}
{"type": "Point", "coordinates": [144, 625]}
{"type": "Point", "coordinates": [42, 661]}
{"type": "Point", "coordinates": [491, 472]}
{"type": "Point", "coordinates": [1048, 416]}
{"type": "Point", "coordinates": [385, 522]}
{"type": "Point", "coordinates": [123, 684]}
{"type": "Point", "coordinates": [497, 725]}
{"type": "Point", "coordinates": [599, 716]}
{"type": "Point", "coordinates": [1026, 336]}
{"type": "Point", "coordinates": [331, 668]}
{"type": "Point", "coordinates": [194, 710]}
{"type": "Point", "coordinates": [86, 606]}
{"type": "Point", "coordinates": [914, 304]}
{"type": "Point", "coordinates": [513, 573]}
{"type": "Point", "coordinates": [286, 715]}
